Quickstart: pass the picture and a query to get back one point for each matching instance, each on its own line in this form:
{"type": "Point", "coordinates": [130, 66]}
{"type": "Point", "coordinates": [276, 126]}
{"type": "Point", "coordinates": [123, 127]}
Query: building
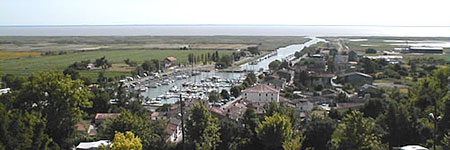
{"type": "Point", "coordinates": [352, 56]}
{"type": "Point", "coordinates": [169, 61]}
{"type": "Point", "coordinates": [428, 50]}
{"type": "Point", "coordinates": [85, 127]}
{"type": "Point", "coordinates": [390, 59]}
{"type": "Point", "coordinates": [277, 83]}
{"type": "Point", "coordinates": [100, 117]}
{"type": "Point", "coordinates": [321, 79]}
{"type": "Point", "coordinates": [173, 129]}
{"type": "Point", "coordinates": [90, 66]}
{"type": "Point", "coordinates": [355, 79]}
{"type": "Point", "coordinates": [261, 93]}
{"type": "Point", "coordinates": [92, 145]}
{"type": "Point", "coordinates": [4, 91]}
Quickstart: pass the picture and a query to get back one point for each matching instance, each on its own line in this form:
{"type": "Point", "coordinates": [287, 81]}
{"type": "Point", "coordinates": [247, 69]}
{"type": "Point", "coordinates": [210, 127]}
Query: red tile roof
{"type": "Point", "coordinates": [105, 115]}
{"type": "Point", "coordinates": [261, 88]}
{"type": "Point", "coordinates": [171, 59]}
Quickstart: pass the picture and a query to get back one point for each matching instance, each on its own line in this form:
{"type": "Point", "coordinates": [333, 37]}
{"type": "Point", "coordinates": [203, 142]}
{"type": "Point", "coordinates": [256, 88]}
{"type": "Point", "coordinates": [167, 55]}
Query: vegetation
{"type": "Point", "coordinates": [27, 66]}
{"type": "Point", "coordinates": [202, 129]}
{"type": "Point", "coordinates": [124, 142]}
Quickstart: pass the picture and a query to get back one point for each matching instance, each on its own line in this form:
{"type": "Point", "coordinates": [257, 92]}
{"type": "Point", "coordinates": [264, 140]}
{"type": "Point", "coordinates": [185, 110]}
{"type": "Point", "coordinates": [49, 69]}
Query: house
{"type": "Point", "coordinates": [355, 79]}
{"type": "Point", "coordinates": [85, 127]}
{"type": "Point", "coordinates": [170, 61]}
{"type": "Point", "coordinates": [277, 83]}
{"type": "Point", "coordinates": [352, 56]}
{"type": "Point", "coordinates": [100, 117]}
{"type": "Point", "coordinates": [92, 145]}
{"type": "Point", "coordinates": [159, 115]}
{"type": "Point", "coordinates": [388, 58]}
{"type": "Point", "coordinates": [371, 90]}
{"type": "Point", "coordinates": [303, 105]}
{"type": "Point", "coordinates": [261, 93]}
{"type": "Point", "coordinates": [321, 79]}
{"type": "Point", "coordinates": [90, 66]}
{"type": "Point", "coordinates": [233, 111]}
{"type": "Point", "coordinates": [173, 129]}
{"type": "Point", "coordinates": [428, 50]}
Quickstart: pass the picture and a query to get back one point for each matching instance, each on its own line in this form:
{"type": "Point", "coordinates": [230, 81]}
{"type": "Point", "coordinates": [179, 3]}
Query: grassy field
{"type": "Point", "coordinates": [28, 65]}
{"type": "Point", "coordinates": [64, 43]}
{"type": "Point", "coordinates": [13, 55]}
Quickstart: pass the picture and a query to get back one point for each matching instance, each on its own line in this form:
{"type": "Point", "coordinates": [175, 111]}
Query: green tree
{"type": "Point", "coordinates": [60, 99]}
{"type": "Point", "coordinates": [225, 94]}
{"type": "Point", "coordinates": [13, 82]}
{"type": "Point", "coordinates": [274, 65]}
{"type": "Point", "coordinates": [374, 107]}
{"type": "Point", "coordinates": [214, 96]}
{"type": "Point", "coordinates": [276, 132]}
{"type": "Point", "coordinates": [235, 91]}
{"type": "Point", "coordinates": [72, 72]}
{"type": "Point", "coordinates": [356, 132]}
{"type": "Point", "coordinates": [318, 133]}
{"type": "Point", "coordinates": [22, 130]}
{"type": "Point", "coordinates": [124, 142]}
{"type": "Point", "coordinates": [151, 132]}
{"type": "Point", "coordinates": [230, 134]}
{"type": "Point", "coordinates": [202, 128]}
{"type": "Point", "coordinates": [398, 124]}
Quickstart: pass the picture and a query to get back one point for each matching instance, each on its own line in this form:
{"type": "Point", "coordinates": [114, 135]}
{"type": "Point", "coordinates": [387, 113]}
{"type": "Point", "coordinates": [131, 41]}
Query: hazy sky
{"type": "Point", "coordinates": [297, 12]}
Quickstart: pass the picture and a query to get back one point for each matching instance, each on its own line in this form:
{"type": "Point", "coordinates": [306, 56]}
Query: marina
{"type": "Point", "coordinates": [160, 89]}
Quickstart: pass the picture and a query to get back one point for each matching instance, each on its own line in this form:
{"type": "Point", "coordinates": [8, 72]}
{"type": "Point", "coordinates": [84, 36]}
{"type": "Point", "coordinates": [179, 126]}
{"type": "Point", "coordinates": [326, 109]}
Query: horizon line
{"type": "Point", "coordinates": [75, 25]}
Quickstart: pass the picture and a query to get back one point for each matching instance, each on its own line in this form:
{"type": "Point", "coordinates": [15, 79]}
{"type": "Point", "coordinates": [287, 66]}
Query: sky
{"type": "Point", "coordinates": [289, 12]}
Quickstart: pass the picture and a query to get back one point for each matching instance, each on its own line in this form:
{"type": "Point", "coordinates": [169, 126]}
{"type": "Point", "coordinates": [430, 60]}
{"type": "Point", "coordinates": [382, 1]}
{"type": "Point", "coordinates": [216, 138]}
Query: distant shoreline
{"type": "Point", "coordinates": [226, 30]}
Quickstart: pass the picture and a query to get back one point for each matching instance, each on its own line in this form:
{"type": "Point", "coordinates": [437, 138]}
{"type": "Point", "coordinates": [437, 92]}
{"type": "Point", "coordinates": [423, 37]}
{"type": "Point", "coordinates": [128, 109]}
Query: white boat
{"type": "Point", "coordinates": [155, 103]}
{"type": "Point", "coordinates": [174, 89]}
{"type": "Point", "coordinates": [143, 89]}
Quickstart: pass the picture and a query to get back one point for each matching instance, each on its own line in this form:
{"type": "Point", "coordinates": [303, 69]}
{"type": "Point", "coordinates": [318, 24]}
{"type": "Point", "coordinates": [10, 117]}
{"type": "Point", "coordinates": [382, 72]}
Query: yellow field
{"type": "Point", "coordinates": [12, 55]}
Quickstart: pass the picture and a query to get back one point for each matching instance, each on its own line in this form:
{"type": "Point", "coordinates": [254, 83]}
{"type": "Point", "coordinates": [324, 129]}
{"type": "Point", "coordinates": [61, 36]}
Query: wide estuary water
{"type": "Point", "coordinates": [231, 30]}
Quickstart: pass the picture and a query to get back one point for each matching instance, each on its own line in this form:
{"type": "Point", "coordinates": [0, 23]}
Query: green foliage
{"type": "Point", "coordinates": [130, 63]}
{"type": "Point", "coordinates": [276, 132]}
{"type": "Point", "coordinates": [124, 142]}
{"type": "Point", "coordinates": [230, 134]}
{"type": "Point", "coordinates": [102, 63]}
{"type": "Point", "coordinates": [151, 65]}
{"type": "Point", "coordinates": [318, 133]}
{"type": "Point", "coordinates": [254, 50]}
{"type": "Point", "coordinates": [374, 107]}
{"type": "Point", "coordinates": [151, 132]}
{"type": "Point", "coordinates": [22, 130]}
{"type": "Point", "coordinates": [214, 96]}
{"type": "Point", "coordinates": [224, 62]}
{"type": "Point", "coordinates": [224, 94]}
{"type": "Point", "coordinates": [202, 128]}
{"type": "Point", "coordinates": [235, 91]}
{"type": "Point", "coordinates": [57, 97]}
{"type": "Point", "coordinates": [274, 65]}
{"type": "Point", "coordinates": [356, 132]}
{"type": "Point", "coordinates": [398, 122]}
{"type": "Point", "coordinates": [13, 82]}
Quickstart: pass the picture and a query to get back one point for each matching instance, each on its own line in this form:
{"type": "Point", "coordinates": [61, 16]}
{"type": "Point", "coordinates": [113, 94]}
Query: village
{"type": "Point", "coordinates": [314, 82]}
